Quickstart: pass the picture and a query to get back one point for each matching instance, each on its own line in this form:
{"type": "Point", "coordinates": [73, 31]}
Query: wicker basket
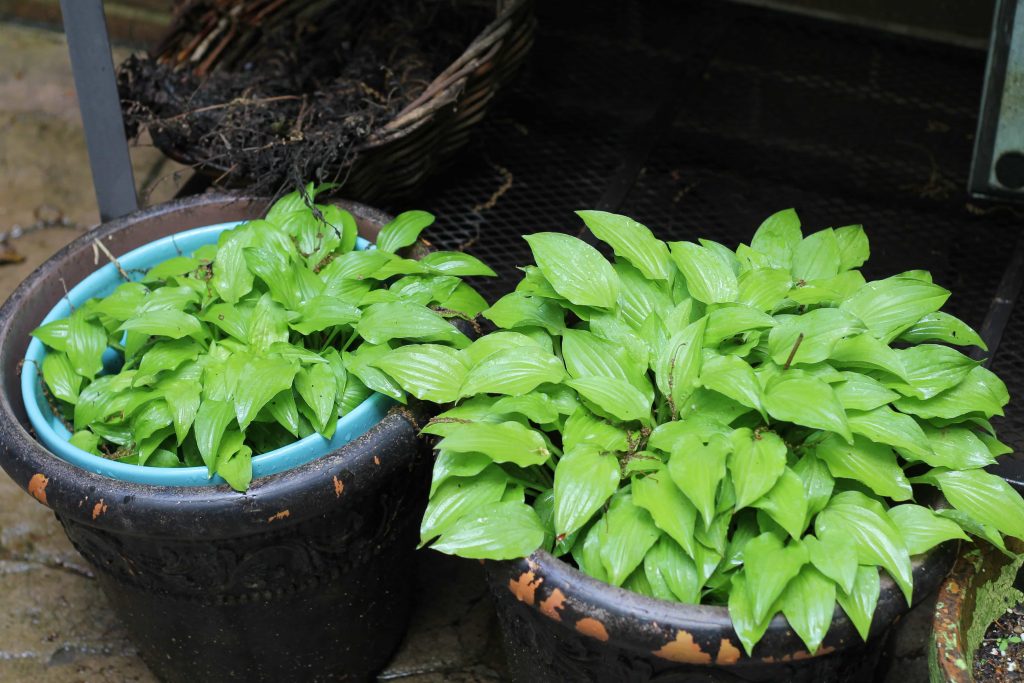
{"type": "Point", "coordinates": [397, 157]}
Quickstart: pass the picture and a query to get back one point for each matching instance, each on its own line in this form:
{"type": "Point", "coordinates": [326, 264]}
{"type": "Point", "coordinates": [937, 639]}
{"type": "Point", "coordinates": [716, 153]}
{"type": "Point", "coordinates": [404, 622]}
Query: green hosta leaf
{"type": "Point", "coordinates": [496, 531]}
{"type": "Point", "coordinates": [166, 355]}
{"type": "Point", "coordinates": [456, 263]}
{"type": "Point", "coordinates": [587, 355]}
{"type": "Point", "coordinates": [764, 288]}
{"type": "Point", "coordinates": [628, 535]}
{"type": "Point", "coordinates": [733, 377]}
{"type": "Point", "coordinates": [430, 372]}
{"type": "Point", "coordinates": [322, 312]}
{"type": "Point", "coordinates": [583, 427]}
{"type": "Point", "coordinates": [124, 302]}
{"type": "Point", "coordinates": [872, 464]}
{"type": "Point", "coordinates": [853, 246]}
{"type": "Point", "coordinates": [399, 320]}
{"type": "Point", "coordinates": [786, 503]}
{"type": "Point", "coordinates": [729, 320]}
{"type": "Point", "coordinates": [464, 300]}
{"type": "Point", "coordinates": [631, 241]}
{"type": "Point", "coordinates": [165, 323]}
{"type": "Point", "coordinates": [54, 334]}
{"type": "Point", "coordinates": [536, 407]}
{"type": "Point", "coordinates": [262, 380]}
{"type": "Point", "coordinates": [817, 256]}
{"type": "Point", "coordinates": [677, 368]}
{"type": "Point", "coordinates": [671, 511]}
{"type": "Point", "coordinates": [61, 379]}
{"type": "Point", "coordinates": [403, 230]}
{"type": "Point", "coordinates": [808, 402]}
{"type": "Point", "coordinates": [832, 290]}
{"type": "Point", "coordinates": [183, 401]}
{"type": "Point", "coordinates": [639, 298]}
{"type": "Point", "coordinates": [778, 238]}
{"type": "Point", "coordinates": [450, 464]}
{"type": "Point", "coordinates": [86, 343]}
{"type": "Point", "coordinates": [87, 441]}
{"type": "Point", "coordinates": [955, 447]}
{"type": "Point", "coordinates": [727, 255]}
{"type": "Point", "coordinates": [864, 351]}
{"type": "Point", "coordinates": [860, 392]}
{"type": "Point", "coordinates": [575, 269]}
{"type": "Point", "coordinates": [697, 469]}
{"type": "Point", "coordinates": [709, 279]}
{"type": "Point", "coordinates": [670, 569]}
{"type": "Point", "coordinates": [931, 369]}
{"type": "Point", "coordinates": [615, 330]}
{"type": "Point", "coordinates": [502, 442]}
{"type": "Point", "coordinates": [769, 567]}
{"type": "Point", "coordinates": [942, 327]}
{"type": "Point", "coordinates": [885, 425]}
{"type": "Point", "coordinates": [212, 419]}
{"type": "Point", "coordinates": [980, 392]}
{"type": "Point", "coordinates": [812, 335]}
{"type": "Point", "coordinates": [584, 479]}
{"type": "Point", "coordinates": [236, 468]}
{"type": "Point", "coordinates": [616, 397]}
{"type": "Point", "coordinates": [587, 554]}
{"type": "Point", "coordinates": [922, 529]}
{"type": "Point", "coordinates": [458, 496]}
{"type": "Point", "coordinates": [859, 603]}
{"type": "Point", "coordinates": [808, 603]}
{"type": "Point", "coordinates": [495, 342]}
{"type": "Point", "coordinates": [756, 463]}
{"type": "Point", "coordinates": [741, 611]}
{"type": "Point", "coordinates": [172, 267]}
{"type": "Point", "coordinates": [231, 276]}
{"type": "Point", "coordinates": [889, 307]}
{"type": "Point", "coordinates": [169, 299]}
{"type": "Point", "coordinates": [344, 225]}
{"type": "Point", "coordinates": [150, 418]}
{"type": "Point", "coordinates": [319, 389]}
{"type": "Point", "coordinates": [360, 363]}
{"type": "Point", "coordinates": [818, 482]}
{"type": "Point", "coordinates": [877, 539]}
{"type": "Point", "coordinates": [987, 498]}
{"type": "Point", "coordinates": [231, 318]}
{"type": "Point", "coordinates": [514, 371]}
{"type": "Point", "coordinates": [834, 557]}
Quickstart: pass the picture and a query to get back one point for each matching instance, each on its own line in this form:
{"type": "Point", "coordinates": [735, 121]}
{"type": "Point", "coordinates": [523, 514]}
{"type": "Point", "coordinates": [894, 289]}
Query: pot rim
{"type": "Point", "coordinates": [190, 511]}
{"type": "Point", "coordinates": [53, 434]}
{"type": "Point", "coordinates": [642, 623]}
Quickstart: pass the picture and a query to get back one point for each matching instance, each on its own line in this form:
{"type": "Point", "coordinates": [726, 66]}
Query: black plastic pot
{"type": "Point", "coordinates": [306, 577]}
{"type": "Point", "coordinates": [561, 625]}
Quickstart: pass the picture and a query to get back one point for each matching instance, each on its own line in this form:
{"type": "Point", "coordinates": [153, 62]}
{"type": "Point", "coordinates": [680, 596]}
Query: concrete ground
{"type": "Point", "coordinates": [54, 625]}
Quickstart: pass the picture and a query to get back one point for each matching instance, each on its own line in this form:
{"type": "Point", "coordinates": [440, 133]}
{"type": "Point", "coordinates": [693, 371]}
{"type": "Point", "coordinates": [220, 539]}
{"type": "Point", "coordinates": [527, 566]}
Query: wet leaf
{"type": "Point", "coordinates": [778, 238]}
{"type": "Point", "coordinates": [808, 603]}
{"type": "Point", "coordinates": [85, 344]}
{"type": "Point", "coordinates": [808, 402]}
{"type": "Point", "coordinates": [817, 256]}
{"type": "Point", "coordinates": [502, 442]}
{"type": "Point", "coordinates": [403, 230]}
{"type": "Point", "coordinates": [853, 246]}
{"type": "Point", "coordinates": [697, 469]}
{"type": "Point", "coordinates": [834, 557]}
{"type": "Point", "coordinates": [671, 511]}
{"type": "Point", "coordinates": [769, 566]}
{"type": "Point", "coordinates": [616, 397]}
{"type": "Point", "coordinates": [786, 503]}
{"type": "Point", "coordinates": [458, 496]}
{"type": "Point", "coordinates": [575, 269]}
{"type": "Point", "coordinates": [630, 241]}
{"type": "Point", "coordinates": [400, 320]}
{"type": "Point", "coordinates": [670, 570]}
{"type": "Point", "coordinates": [812, 336]}
{"type": "Point", "coordinates": [708, 278]}
{"type": "Point", "coordinates": [628, 535]}
{"type": "Point", "coordinates": [942, 327]}
{"type": "Point", "coordinates": [585, 478]}
{"type": "Point", "coordinates": [980, 392]}
{"type": "Point", "coordinates": [987, 498]}
{"type": "Point", "coordinates": [859, 604]}
{"type": "Point", "coordinates": [430, 372]}
{"type": "Point", "coordinates": [497, 531]}
{"type": "Point", "coordinates": [872, 464]}
{"type": "Point", "coordinates": [60, 377]}
{"type": "Point", "coordinates": [922, 529]}
{"type": "Point", "coordinates": [513, 371]}
{"type": "Point", "coordinates": [456, 263]}
{"type": "Point", "coordinates": [756, 462]}
{"type": "Point", "coordinates": [891, 306]}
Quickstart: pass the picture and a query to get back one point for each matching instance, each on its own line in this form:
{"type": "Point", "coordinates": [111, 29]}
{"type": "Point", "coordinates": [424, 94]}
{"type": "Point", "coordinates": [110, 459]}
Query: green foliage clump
{"type": "Point", "coordinates": [748, 427]}
{"type": "Point", "coordinates": [246, 345]}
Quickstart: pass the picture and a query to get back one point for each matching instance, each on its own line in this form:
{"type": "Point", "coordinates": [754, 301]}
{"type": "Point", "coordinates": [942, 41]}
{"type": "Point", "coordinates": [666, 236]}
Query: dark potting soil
{"type": "Point", "coordinates": [268, 94]}
{"type": "Point", "coordinates": [1000, 657]}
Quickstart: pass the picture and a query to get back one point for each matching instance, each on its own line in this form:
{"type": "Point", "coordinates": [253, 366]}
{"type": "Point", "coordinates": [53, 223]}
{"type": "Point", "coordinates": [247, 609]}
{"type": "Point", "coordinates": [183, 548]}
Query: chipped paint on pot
{"type": "Point", "coordinates": [561, 625]}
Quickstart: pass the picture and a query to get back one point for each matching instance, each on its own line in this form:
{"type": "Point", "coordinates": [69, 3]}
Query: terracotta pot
{"type": "Point", "coordinates": [305, 577]}
{"type": "Point", "coordinates": [561, 625]}
{"type": "Point", "coordinates": [978, 590]}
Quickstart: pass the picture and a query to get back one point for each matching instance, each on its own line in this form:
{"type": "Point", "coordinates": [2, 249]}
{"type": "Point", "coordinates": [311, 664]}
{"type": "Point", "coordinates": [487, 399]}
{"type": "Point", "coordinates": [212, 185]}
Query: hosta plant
{"type": "Point", "coordinates": [246, 345]}
{"type": "Point", "coordinates": [756, 428]}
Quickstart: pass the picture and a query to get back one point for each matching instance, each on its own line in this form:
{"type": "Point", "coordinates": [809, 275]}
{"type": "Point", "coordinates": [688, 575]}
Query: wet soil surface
{"type": "Point", "coordinates": [1000, 657]}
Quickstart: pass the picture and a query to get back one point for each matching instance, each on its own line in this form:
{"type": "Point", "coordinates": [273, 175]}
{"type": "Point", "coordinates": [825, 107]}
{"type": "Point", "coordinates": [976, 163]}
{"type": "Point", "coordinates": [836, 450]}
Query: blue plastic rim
{"type": "Point", "coordinates": [54, 435]}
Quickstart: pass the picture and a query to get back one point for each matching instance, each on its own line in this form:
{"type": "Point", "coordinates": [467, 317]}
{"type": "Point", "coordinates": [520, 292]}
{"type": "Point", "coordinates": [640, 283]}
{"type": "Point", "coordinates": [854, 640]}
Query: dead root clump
{"type": "Point", "coordinates": [265, 94]}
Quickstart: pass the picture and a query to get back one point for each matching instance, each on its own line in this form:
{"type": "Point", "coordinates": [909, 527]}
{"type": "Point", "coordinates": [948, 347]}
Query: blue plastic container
{"type": "Point", "coordinates": [54, 435]}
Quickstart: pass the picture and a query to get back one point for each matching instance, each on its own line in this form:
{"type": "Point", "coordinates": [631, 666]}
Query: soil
{"type": "Point", "coordinates": [1000, 657]}
{"type": "Point", "coordinates": [267, 94]}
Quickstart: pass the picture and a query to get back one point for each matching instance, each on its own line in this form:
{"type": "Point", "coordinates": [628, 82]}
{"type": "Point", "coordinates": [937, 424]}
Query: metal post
{"type": "Point", "coordinates": [95, 83]}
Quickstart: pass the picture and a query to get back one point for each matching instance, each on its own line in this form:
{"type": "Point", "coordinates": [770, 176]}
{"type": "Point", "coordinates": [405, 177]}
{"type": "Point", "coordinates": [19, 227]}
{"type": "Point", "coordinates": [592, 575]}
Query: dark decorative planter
{"type": "Point", "coordinates": [979, 589]}
{"type": "Point", "coordinates": [561, 625]}
{"type": "Point", "coordinates": [304, 578]}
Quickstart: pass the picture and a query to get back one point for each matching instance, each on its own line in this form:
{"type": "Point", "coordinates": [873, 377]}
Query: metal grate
{"type": "Point", "coordinates": [771, 111]}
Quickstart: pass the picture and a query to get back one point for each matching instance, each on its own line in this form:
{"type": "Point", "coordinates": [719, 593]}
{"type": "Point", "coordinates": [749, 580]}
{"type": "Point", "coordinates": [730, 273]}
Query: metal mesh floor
{"type": "Point", "coordinates": [765, 111]}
